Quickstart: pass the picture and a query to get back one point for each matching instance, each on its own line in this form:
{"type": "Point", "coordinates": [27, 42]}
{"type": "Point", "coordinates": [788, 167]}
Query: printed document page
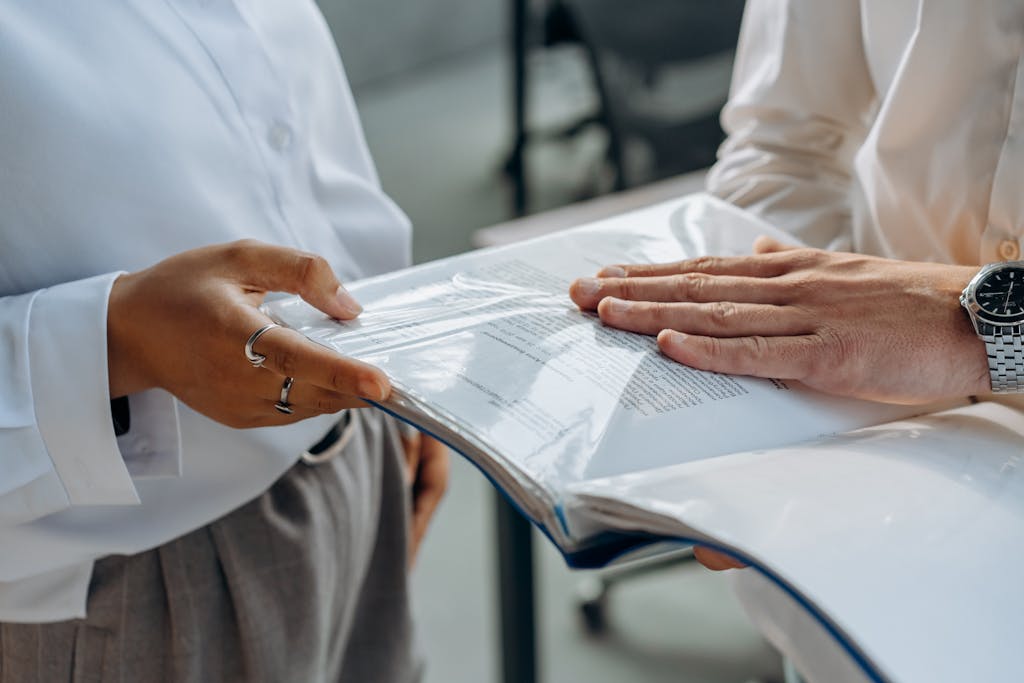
{"type": "Point", "coordinates": [491, 343]}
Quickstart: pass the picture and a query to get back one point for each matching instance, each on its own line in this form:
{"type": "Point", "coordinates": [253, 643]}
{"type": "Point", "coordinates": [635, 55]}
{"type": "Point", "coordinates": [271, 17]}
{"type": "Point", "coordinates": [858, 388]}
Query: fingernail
{"type": "Point", "coordinates": [588, 286]}
{"type": "Point", "coordinates": [618, 306]}
{"type": "Point", "coordinates": [345, 300]}
{"type": "Point", "coordinates": [612, 271]}
{"type": "Point", "coordinates": [672, 339]}
{"type": "Point", "coordinates": [372, 389]}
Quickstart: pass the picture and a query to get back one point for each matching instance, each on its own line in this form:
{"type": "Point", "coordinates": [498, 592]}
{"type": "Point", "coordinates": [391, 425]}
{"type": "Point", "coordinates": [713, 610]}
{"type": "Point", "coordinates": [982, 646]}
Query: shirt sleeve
{"type": "Point", "coordinates": [57, 443]}
{"type": "Point", "coordinates": [799, 104]}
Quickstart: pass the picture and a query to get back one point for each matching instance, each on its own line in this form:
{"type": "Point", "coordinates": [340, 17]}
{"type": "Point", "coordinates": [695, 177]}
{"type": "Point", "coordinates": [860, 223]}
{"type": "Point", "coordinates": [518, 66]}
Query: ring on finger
{"type": "Point", "coordinates": [283, 406]}
{"type": "Point", "coordinates": [257, 359]}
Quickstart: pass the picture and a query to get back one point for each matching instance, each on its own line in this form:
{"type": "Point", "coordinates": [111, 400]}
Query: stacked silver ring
{"type": "Point", "coordinates": [257, 359]}
{"type": "Point", "coordinates": [283, 406]}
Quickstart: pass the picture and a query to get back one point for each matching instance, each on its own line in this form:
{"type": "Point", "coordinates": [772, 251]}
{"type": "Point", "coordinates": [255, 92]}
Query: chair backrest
{"type": "Point", "coordinates": [643, 54]}
{"type": "Point", "coordinates": [652, 33]}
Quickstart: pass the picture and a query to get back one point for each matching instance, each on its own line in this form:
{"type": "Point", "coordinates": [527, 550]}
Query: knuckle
{"type": "Point", "coordinates": [830, 343]}
{"type": "Point", "coordinates": [239, 250]}
{"type": "Point", "coordinates": [705, 263]}
{"type": "Point", "coordinates": [326, 405]}
{"type": "Point", "coordinates": [757, 346]}
{"type": "Point", "coordinates": [689, 285]}
{"type": "Point", "coordinates": [806, 257]}
{"type": "Point", "coordinates": [308, 266]}
{"type": "Point", "coordinates": [658, 312]}
{"type": "Point", "coordinates": [722, 313]}
{"type": "Point", "coordinates": [627, 288]}
{"type": "Point", "coordinates": [803, 285]}
{"type": "Point", "coordinates": [854, 264]}
{"type": "Point", "coordinates": [836, 357]}
{"type": "Point", "coordinates": [679, 286]}
{"type": "Point", "coordinates": [815, 358]}
{"type": "Point", "coordinates": [283, 361]}
{"type": "Point", "coordinates": [750, 355]}
{"type": "Point", "coordinates": [714, 347]}
{"type": "Point", "coordinates": [340, 379]}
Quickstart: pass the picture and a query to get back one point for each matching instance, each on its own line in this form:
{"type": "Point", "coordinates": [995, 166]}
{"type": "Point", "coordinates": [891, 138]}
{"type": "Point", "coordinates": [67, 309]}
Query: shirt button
{"type": "Point", "coordinates": [279, 136]}
{"type": "Point", "coordinates": [1009, 250]}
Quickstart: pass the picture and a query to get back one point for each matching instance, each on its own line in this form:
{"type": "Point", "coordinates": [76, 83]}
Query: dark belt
{"type": "Point", "coordinates": [334, 441]}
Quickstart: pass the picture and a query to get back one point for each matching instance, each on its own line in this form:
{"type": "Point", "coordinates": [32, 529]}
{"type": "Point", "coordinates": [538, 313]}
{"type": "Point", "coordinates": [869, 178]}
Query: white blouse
{"type": "Point", "coordinates": [130, 131]}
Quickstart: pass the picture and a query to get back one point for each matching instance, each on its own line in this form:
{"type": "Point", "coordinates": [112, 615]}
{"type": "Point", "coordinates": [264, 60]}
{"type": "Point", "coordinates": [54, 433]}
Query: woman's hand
{"type": "Point", "coordinates": [841, 323]}
{"type": "Point", "coordinates": [182, 324]}
{"type": "Point", "coordinates": [427, 466]}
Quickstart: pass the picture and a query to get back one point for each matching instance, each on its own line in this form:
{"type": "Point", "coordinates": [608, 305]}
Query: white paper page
{"type": "Point", "coordinates": [906, 540]}
{"type": "Point", "coordinates": [492, 341]}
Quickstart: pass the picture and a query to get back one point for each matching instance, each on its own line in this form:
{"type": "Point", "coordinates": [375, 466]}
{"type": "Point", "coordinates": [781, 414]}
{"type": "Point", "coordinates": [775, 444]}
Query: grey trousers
{"type": "Point", "coordinates": [308, 582]}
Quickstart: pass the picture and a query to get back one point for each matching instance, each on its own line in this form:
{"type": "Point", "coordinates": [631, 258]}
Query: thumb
{"type": "Point", "coordinates": [768, 245]}
{"type": "Point", "coordinates": [281, 269]}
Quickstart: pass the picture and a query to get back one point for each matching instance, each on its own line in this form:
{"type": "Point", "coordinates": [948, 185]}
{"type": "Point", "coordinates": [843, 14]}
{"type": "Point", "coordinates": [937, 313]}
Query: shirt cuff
{"type": "Point", "coordinates": [152, 447]}
{"type": "Point", "coordinates": [70, 391]}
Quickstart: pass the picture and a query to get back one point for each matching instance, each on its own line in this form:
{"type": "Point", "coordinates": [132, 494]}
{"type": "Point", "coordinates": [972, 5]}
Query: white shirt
{"type": "Point", "coordinates": [889, 128]}
{"type": "Point", "coordinates": [130, 131]}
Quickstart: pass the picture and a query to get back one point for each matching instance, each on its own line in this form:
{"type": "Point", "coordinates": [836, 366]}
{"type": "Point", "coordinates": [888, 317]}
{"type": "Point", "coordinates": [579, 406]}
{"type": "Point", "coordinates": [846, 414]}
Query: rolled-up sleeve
{"type": "Point", "coordinates": [799, 102]}
{"type": "Point", "coordinates": [57, 442]}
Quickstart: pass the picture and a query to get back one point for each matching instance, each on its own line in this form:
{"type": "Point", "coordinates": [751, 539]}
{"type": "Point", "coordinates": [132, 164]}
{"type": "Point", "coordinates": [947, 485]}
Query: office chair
{"type": "Point", "coordinates": [639, 54]}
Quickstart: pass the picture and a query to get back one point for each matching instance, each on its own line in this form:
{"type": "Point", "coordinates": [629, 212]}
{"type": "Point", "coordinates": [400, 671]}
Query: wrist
{"type": "Point", "coordinates": [126, 371]}
{"type": "Point", "coordinates": [994, 303]}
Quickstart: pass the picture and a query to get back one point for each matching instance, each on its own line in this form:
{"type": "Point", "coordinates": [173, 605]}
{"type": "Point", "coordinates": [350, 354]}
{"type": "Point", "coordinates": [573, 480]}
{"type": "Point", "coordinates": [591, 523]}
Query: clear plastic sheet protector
{"type": "Point", "coordinates": [487, 351]}
{"type": "Point", "coordinates": [605, 444]}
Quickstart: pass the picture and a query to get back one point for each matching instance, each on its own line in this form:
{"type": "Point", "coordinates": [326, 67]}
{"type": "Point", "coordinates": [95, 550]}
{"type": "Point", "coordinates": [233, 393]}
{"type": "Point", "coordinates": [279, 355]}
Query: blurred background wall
{"type": "Point", "coordinates": [389, 38]}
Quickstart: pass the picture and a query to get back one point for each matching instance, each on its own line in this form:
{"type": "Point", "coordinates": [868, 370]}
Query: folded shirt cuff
{"type": "Point", "coordinates": [70, 391]}
{"type": "Point", "coordinates": [152, 446]}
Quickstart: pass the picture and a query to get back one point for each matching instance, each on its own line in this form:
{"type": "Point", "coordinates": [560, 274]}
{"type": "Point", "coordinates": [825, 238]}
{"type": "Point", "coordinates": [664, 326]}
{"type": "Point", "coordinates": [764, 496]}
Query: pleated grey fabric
{"type": "Point", "coordinates": [306, 583]}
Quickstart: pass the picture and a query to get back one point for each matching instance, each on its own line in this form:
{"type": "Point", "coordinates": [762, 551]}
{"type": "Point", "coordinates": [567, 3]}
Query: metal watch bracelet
{"type": "Point", "coordinates": [1005, 349]}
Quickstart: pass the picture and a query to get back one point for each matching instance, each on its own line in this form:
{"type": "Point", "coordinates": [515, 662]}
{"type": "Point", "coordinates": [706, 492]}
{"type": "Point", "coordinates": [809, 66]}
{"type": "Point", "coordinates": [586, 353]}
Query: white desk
{"type": "Point", "coordinates": [588, 211]}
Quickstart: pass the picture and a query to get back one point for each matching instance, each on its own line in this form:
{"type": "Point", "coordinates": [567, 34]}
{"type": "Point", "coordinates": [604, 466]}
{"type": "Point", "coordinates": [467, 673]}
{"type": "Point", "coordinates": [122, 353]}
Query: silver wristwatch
{"type": "Point", "coordinates": [994, 300]}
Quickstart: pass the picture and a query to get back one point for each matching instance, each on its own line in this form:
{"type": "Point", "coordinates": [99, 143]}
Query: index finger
{"type": "Point", "coordinates": [770, 264]}
{"type": "Point", "coordinates": [587, 293]}
{"type": "Point", "coordinates": [290, 354]}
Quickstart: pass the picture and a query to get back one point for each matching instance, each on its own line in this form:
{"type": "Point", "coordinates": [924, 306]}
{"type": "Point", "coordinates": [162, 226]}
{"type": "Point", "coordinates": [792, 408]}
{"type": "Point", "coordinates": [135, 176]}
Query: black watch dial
{"type": "Point", "coordinates": [1001, 294]}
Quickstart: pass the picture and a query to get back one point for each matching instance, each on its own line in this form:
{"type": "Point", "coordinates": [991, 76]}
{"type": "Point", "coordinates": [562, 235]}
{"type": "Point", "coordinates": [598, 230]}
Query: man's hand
{"type": "Point", "coordinates": [841, 323]}
{"type": "Point", "coordinates": [182, 325]}
{"type": "Point", "coordinates": [426, 467]}
{"type": "Point", "coordinates": [714, 560]}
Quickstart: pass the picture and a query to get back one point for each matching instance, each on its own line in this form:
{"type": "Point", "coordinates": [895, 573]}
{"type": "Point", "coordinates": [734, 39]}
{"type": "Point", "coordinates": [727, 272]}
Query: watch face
{"type": "Point", "coordinates": [1001, 294]}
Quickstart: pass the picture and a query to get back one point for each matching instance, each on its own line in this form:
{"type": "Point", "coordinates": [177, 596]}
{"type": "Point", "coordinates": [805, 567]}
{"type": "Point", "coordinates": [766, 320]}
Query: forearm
{"type": "Point", "coordinates": [800, 97]}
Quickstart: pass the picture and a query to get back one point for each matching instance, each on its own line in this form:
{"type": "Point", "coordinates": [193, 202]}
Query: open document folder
{"type": "Point", "coordinates": [899, 534]}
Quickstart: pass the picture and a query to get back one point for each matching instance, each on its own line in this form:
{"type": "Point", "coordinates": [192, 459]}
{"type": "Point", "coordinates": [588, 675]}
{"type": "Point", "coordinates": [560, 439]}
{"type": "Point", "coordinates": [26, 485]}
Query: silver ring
{"type": "Point", "coordinates": [257, 358]}
{"type": "Point", "coordinates": [286, 389]}
{"type": "Point", "coordinates": [283, 406]}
